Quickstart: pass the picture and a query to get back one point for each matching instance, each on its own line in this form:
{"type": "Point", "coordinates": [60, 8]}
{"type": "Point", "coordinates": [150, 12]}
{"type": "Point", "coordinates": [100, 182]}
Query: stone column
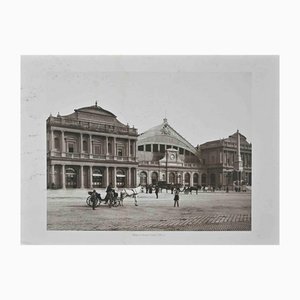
{"type": "Point", "coordinates": [129, 155]}
{"type": "Point", "coordinates": [115, 176]}
{"type": "Point", "coordinates": [63, 144]}
{"type": "Point", "coordinates": [63, 176]}
{"type": "Point", "coordinates": [134, 177]}
{"type": "Point", "coordinates": [107, 146]}
{"type": "Point", "coordinates": [129, 177]}
{"type": "Point", "coordinates": [51, 140]}
{"type": "Point", "coordinates": [52, 176]}
{"type": "Point", "coordinates": [107, 176]}
{"type": "Point", "coordinates": [91, 177]}
{"type": "Point", "coordinates": [114, 147]}
{"type": "Point", "coordinates": [191, 178]}
{"type": "Point", "coordinates": [81, 144]}
{"type": "Point", "coordinates": [90, 146]}
{"type": "Point", "coordinates": [81, 177]}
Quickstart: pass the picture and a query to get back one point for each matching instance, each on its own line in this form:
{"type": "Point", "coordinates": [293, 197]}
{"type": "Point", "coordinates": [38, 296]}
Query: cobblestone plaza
{"type": "Point", "coordinates": [205, 211]}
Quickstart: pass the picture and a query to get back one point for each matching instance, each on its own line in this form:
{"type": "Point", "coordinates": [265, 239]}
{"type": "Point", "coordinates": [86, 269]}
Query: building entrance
{"type": "Point", "coordinates": [71, 178]}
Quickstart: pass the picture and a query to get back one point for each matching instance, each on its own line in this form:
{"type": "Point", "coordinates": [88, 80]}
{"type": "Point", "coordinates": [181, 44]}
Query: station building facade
{"type": "Point", "coordinates": [90, 148]}
{"type": "Point", "coordinates": [164, 155]}
{"type": "Point", "coordinates": [226, 160]}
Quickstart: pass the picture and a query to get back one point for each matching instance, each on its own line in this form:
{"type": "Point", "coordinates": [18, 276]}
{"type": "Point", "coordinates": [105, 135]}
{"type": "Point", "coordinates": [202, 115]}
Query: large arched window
{"type": "Point", "coordinates": [187, 178]}
{"type": "Point", "coordinates": [154, 178]}
{"type": "Point", "coordinates": [195, 179]}
{"type": "Point", "coordinates": [172, 178]}
{"type": "Point", "coordinates": [143, 178]}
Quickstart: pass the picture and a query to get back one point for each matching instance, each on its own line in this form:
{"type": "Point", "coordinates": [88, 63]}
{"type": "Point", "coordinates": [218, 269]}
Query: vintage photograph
{"type": "Point", "coordinates": [143, 144]}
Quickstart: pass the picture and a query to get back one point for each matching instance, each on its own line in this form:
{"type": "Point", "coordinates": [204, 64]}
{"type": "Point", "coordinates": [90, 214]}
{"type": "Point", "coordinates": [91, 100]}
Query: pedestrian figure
{"type": "Point", "coordinates": [94, 199]}
{"type": "Point", "coordinates": [227, 189]}
{"type": "Point", "coordinates": [150, 189]}
{"type": "Point", "coordinates": [156, 191]}
{"type": "Point", "coordinates": [176, 198]}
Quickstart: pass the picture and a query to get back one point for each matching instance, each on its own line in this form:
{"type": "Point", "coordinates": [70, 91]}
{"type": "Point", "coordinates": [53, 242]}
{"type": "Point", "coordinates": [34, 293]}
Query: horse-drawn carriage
{"type": "Point", "coordinates": [112, 198]}
{"type": "Point", "coordinates": [94, 199]}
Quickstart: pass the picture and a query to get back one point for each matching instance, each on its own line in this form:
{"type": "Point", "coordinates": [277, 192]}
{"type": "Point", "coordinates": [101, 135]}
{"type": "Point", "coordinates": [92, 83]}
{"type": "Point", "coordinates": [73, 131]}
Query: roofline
{"type": "Point", "coordinates": [187, 142]}
{"type": "Point", "coordinates": [94, 106]}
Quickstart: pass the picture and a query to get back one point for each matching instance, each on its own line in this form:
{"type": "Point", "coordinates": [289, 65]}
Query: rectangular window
{"type": "Point", "coordinates": [56, 143]}
{"type": "Point", "coordinates": [162, 149]}
{"type": "Point", "coordinates": [169, 146]}
{"type": "Point", "coordinates": [120, 150]}
{"type": "Point", "coordinates": [141, 148]}
{"type": "Point", "coordinates": [187, 152]}
{"type": "Point", "coordinates": [85, 146]}
{"type": "Point", "coordinates": [71, 148]}
{"type": "Point", "coordinates": [181, 151]}
{"type": "Point", "coordinates": [148, 148]}
{"type": "Point", "coordinates": [97, 149]}
{"type": "Point", "coordinates": [155, 148]}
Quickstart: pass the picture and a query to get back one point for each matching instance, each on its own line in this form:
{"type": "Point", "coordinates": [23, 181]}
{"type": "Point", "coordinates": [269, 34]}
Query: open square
{"type": "Point", "coordinates": [205, 211]}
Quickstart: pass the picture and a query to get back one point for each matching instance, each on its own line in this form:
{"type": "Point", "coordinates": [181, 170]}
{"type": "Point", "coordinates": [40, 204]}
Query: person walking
{"type": "Point", "coordinates": [94, 199]}
{"type": "Point", "coordinates": [156, 191]}
{"type": "Point", "coordinates": [176, 198]}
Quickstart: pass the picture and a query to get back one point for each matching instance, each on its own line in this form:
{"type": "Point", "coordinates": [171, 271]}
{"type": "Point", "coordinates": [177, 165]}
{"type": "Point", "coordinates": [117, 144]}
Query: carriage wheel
{"type": "Point", "coordinates": [88, 201]}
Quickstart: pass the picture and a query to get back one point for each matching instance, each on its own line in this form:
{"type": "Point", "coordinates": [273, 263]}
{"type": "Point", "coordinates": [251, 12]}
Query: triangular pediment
{"type": "Point", "coordinates": [95, 109]}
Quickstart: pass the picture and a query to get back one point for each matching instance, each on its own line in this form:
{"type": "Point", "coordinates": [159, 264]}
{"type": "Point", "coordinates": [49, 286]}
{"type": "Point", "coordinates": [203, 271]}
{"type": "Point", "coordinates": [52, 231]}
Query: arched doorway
{"type": "Point", "coordinates": [195, 179]}
{"type": "Point", "coordinates": [120, 179]}
{"type": "Point", "coordinates": [97, 178]}
{"type": "Point", "coordinates": [172, 178]}
{"type": "Point", "coordinates": [154, 178]}
{"type": "Point", "coordinates": [203, 179]}
{"type": "Point", "coordinates": [71, 178]}
{"type": "Point", "coordinates": [187, 178]}
{"type": "Point", "coordinates": [143, 178]}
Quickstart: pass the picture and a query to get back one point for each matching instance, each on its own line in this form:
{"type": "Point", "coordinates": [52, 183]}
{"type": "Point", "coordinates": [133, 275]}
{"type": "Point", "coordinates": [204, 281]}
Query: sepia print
{"type": "Point", "coordinates": [141, 144]}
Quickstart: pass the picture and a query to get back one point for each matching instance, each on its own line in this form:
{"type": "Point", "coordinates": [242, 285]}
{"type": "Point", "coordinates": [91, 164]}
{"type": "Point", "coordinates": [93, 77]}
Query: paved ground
{"type": "Point", "coordinates": [67, 210]}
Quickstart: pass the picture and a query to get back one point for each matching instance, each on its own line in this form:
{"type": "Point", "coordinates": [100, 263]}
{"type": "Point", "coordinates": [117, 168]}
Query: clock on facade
{"type": "Point", "coordinates": [172, 156]}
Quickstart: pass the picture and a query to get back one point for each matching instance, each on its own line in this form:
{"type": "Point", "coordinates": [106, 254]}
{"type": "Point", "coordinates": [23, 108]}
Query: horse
{"type": "Point", "coordinates": [127, 192]}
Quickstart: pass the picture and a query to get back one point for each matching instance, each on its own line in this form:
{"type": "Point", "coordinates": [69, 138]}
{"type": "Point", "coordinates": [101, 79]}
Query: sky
{"type": "Point", "coordinates": [200, 105]}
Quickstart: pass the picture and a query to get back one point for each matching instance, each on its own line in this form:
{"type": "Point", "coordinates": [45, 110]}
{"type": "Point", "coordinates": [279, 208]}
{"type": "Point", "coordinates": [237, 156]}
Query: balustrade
{"type": "Point", "coordinates": [101, 127]}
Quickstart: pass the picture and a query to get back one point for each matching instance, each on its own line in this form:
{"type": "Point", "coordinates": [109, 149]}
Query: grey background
{"type": "Point", "coordinates": [255, 77]}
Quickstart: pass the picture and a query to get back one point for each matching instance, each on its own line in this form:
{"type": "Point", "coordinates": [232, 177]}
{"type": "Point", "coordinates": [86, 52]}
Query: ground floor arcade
{"type": "Point", "coordinates": [64, 175]}
{"type": "Point", "coordinates": [172, 176]}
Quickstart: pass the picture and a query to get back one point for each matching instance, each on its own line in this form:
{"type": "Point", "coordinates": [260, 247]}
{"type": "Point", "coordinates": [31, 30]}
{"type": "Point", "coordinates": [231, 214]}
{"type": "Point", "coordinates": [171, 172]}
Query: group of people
{"type": "Point", "coordinates": [110, 194]}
